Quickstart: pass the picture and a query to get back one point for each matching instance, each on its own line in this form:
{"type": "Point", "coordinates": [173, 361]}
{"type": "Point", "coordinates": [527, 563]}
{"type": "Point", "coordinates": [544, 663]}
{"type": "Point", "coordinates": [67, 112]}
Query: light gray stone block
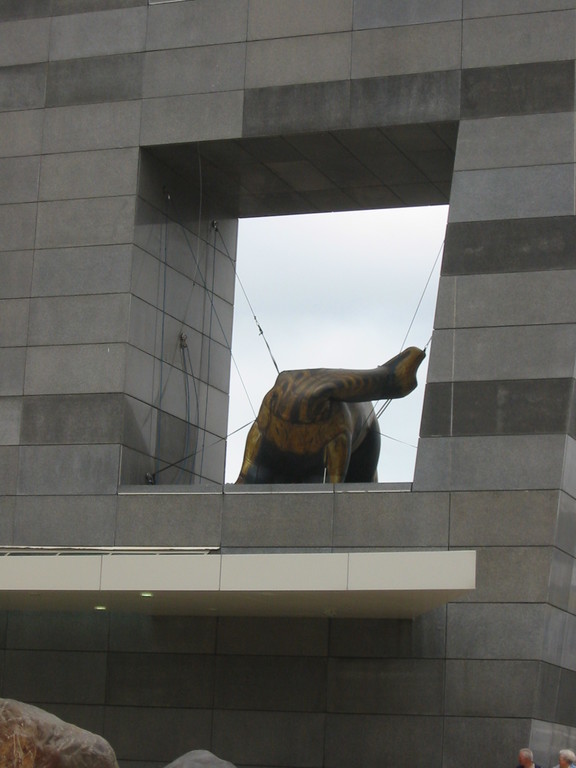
{"type": "Point", "coordinates": [192, 118]}
{"type": "Point", "coordinates": [205, 22]}
{"type": "Point", "coordinates": [12, 364]}
{"type": "Point", "coordinates": [7, 506]}
{"type": "Point", "coordinates": [101, 173]}
{"type": "Point", "coordinates": [517, 299]}
{"type": "Point", "coordinates": [287, 61]}
{"type": "Point", "coordinates": [92, 126]}
{"type": "Point", "coordinates": [515, 141]}
{"type": "Point", "coordinates": [70, 419]}
{"type": "Point", "coordinates": [270, 683]}
{"type": "Point", "coordinates": [76, 677]}
{"type": "Point", "coordinates": [273, 18]}
{"type": "Point", "coordinates": [65, 520]}
{"type": "Point", "coordinates": [75, 369]}
{"type": "Point", "coordinates": [68, 469]}
{"type": "Point", "coordinates": [98, 34]}
{"type": "Point", "coordinates": [22, 87]}
{"type": "Point", "coordinates": [170, 679]}
{"type": "Point", "coordinates": [20, 133]}
{"type": "Point", "coordinates": [491, 194]}
{"type": "Point", "coordinates": [156, 733]}
{"type": "Point", "coordinates": [14, 322]}
{"type": "Point", "coordinates": [284, 737]}
{"type": "Point", "coordinates": [272, 636]}
{"type": "Point", "coordinates": [10, 419]}
{"type": "Point", "coordinates": [369, 14]}
{"type": "Point", "coordinates": [518, 39]}
{"type": "Point", "coordinates": [385, 686]}
{"type": "Point", "coordinates": [16, 271]}
{"type": "Point", "coordinates": [511, 575]}
{"type": "Point", "coordinates": [490, 463]}
{"type": "Point", "coordinates": [194, 70]}
{"type": "Point", "coordinates": [406, 50]}
{"type": "Point", "coordinates": [163, 634]}
{"type": "Point", "coordinates": [191, 519]}
{"type": "Point", "coordinates": [57, 631]}
{"type": "Point", "coordinates": [24, 42]}
{"type": "Point", "coordinates": [506, 353]}
{"type": "Point", "coordinates": [477, 8]}
{"type": "Point", "coordinates": [373, 740]}
{"type": "Point", "coordinates": [367, 519]}
{"type": "Point", "coordinates": [20, 179]}
{"type": "Point", "coordinates": [17, 223]}
{"type": "Point", "coordinates": [503, 518]}
{"type": "Point", "coordinates": [264, 519]}
{"type": "Point", "coordinates": [87, 270]}
{"type": "Point", "coordinates": [79, 319]}
{"type": "Point", "coordinates": [100, 221]}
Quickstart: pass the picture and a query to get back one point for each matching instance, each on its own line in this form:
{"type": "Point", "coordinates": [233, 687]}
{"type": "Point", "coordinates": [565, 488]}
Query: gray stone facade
{"type": "Point", "coordinates": [133, 135]}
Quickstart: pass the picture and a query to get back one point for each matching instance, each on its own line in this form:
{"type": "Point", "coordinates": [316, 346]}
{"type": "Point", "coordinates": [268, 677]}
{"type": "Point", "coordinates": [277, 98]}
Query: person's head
{"type": "Point", "coordinates": [525, 757]}
{"type": "Point", "coordinates": [566, 757]}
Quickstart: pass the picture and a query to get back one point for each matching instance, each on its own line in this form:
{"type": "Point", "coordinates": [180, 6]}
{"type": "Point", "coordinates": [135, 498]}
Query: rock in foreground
{"type": "Point", "coordinates": [33, 738]}
{"type": "Point", "coordinates": [200, 758]}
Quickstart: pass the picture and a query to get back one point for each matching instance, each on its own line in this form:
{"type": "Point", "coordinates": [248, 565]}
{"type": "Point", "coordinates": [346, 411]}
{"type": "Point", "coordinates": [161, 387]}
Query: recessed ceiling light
{"type": "Point", "coordinates": [100, 608]}
{"type": "Point", "coordinates": [146, 594]}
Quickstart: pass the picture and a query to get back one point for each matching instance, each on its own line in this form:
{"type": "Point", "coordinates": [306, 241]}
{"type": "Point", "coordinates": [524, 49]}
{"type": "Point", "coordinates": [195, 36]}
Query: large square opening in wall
{"type": "Point", "coordinates": [218, 183]}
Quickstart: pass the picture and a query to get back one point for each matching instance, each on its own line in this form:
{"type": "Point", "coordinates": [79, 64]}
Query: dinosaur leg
{"type": "Point", "coordinates": [250, 461]}
{"type": "Point", "coordinates": [337, 458]}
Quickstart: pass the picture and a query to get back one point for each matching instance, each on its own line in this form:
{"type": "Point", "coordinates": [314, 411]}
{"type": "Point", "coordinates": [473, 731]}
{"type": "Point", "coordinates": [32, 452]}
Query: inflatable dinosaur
{"type": "Point", "coordinates": [318, 425]}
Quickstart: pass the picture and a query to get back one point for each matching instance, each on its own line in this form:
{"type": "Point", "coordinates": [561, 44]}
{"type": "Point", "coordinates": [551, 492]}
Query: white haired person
{"type": "Point", "coordinates": [526, 758]}
{"type": "Point", "coordinates": [566, 759]}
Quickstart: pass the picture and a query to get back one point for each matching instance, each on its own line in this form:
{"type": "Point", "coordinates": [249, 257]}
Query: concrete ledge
{"type": "Point", "coordinates": [344, 584]}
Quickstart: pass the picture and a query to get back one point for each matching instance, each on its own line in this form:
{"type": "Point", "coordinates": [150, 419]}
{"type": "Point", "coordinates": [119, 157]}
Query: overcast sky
{"type": "Point", "coordinates": [335, 291]}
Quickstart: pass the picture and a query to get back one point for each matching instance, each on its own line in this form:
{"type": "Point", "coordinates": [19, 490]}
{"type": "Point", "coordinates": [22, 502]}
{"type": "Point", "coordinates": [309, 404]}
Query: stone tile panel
{"type": "Point", "coordinates": [24, 42]}
{"type": "Point", "coordinates": [94, 80]}
{"type": "Point", "coordinates": [106, 33]}
{"type": "Point", "coordinates": [92, 127]}
{"type": "Point", "coordinates": [274, 18]}
{"type": "Point", "coordinates": [68, 470]}
{"type": "Point", "coordinates": [203, 22]}
{"type": "Point", "coordinates": [369, 14]}
{"type": "Point", "coordinates": [22, 87]}
{"type": "Point", "coordinates": [74, 369]}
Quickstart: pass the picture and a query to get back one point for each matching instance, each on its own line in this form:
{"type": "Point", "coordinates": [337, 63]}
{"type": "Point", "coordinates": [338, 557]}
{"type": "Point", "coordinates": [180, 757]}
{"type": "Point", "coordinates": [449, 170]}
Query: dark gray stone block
{"type": "Point", "coordinates": [193, 519]}
{"type": "Point", "coordinates": [79, 319]}
{"type": "Point", "coordinates": [256, 519]}
{"type": "Point", "coordinates": [64, 271]}
{"type": "Point", "coordinates": [497, 407]}
{"type": "Point", "coordinates": [482, 631]}
{"type": "Point", "coordinates": [8, 469]}
{"type": "Point", "coordinates": [423, 637]}
{"type": "Point", "coordinates": [156, 733]}
{"type": "Point", "coordinates": [65, 520]}
{"type": "Point", "coordinates": [75, 369]}
{"type": "Point", "coordinates": [12, 362]}
{"type": "Point", "coordinates": [491, 688]}
{"type": "Point", "coordinates": [274, 738]}
{"type": "Point", "coordinates": [272, 636]}
{"type": "Point", "coordinates": [15, 320]}
{"type": "Point", "coordinates": [405, 99]}
{"type": "Point", "coordinates": [61, 7]}
{"type": "Point", "coordinates": [269, 683]}
{"type": "Point", "coordinates": [168, 680]}
{"type": "Point", "coordinates": [57, 631]}
{"type": "Point", "coordinates": [15, 9]}
{"type": "Point", "coordinates": [367, 519]}
{"type": "Point", "coordinates": [163, 634]}
{"type": "Point", "coordinates": [96, 221]}
{"type": "Point", "coordinates": [75, 677]}
{"type": "Point", "coordinates": [90, 80]}
{"type": "Point", "coordinates": [7, 505]}
{"type": "Point", "coordinates": [464, 736]}
{"type": "Point", "coordinates": [100, 173]}
{"type": "Point", "coordinates": [386, 686]}
{"type": "Point", "coordinates": [517, 245]}
{"type": "Point", "coordinates": [375, 740]}
{"type": "Point", "coordinates": [22, 86]}
{"type": "Point", "coordinates": [296, 108]}
{"type": "Point", "coordinates": [565, 711]}
{"type": "Point", "coordinates": [520, 89]}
